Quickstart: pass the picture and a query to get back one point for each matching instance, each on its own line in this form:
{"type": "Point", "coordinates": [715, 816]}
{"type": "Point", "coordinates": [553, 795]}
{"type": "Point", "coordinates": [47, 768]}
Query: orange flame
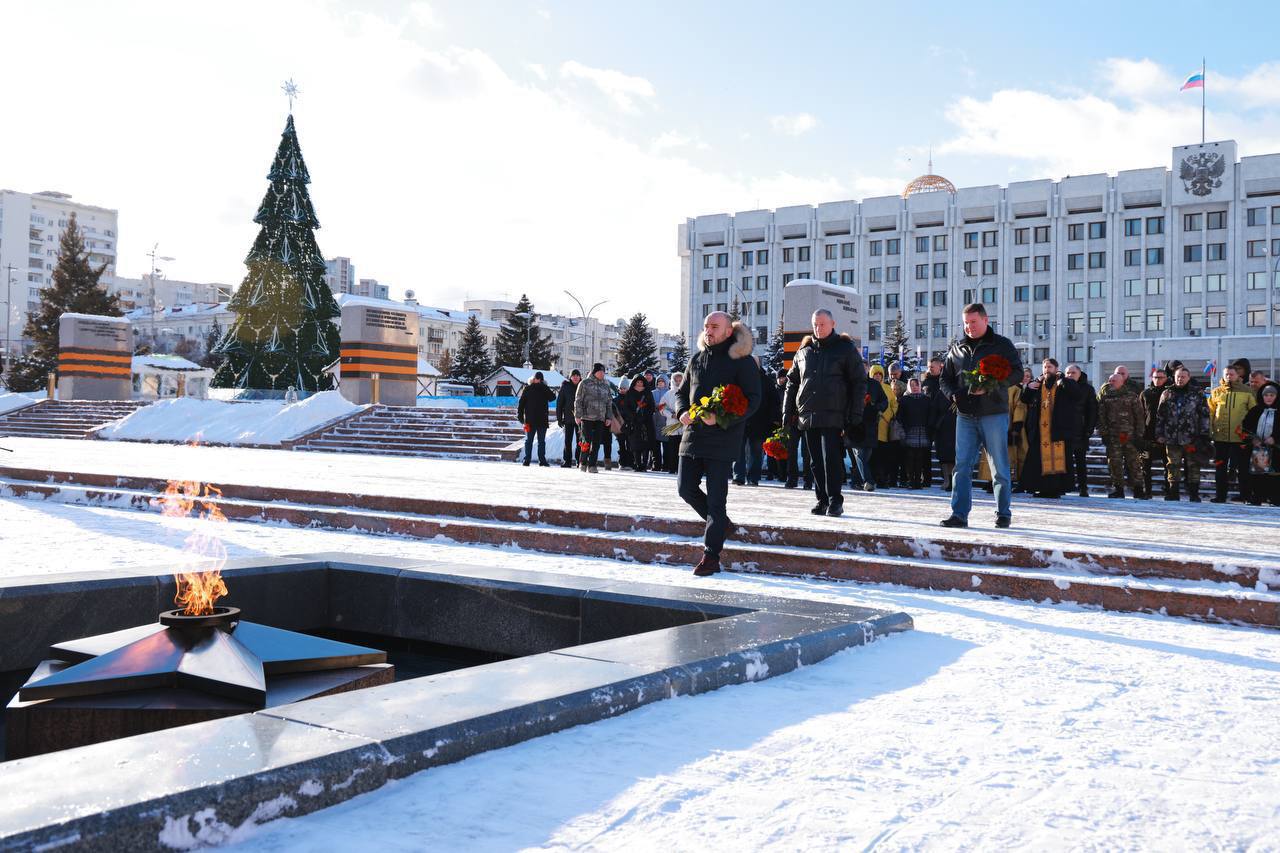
{"type": "Point", "coordinates": [200, 584]}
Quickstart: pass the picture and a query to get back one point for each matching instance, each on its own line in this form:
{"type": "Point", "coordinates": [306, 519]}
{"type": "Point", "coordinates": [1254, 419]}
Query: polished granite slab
{"type": "Point", "coordinates": [589, 649]}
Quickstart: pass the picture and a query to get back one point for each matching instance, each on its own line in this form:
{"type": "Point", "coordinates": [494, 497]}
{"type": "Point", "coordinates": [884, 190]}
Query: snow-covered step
{"type": "Point", "coordinates": [1194, 599]}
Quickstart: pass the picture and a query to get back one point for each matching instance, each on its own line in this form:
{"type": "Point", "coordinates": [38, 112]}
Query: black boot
{"type": "Point", "coordinates": [1117, 493]}
{"type": "Point", "coordinates": [1193, 493]}
{"type": "Point", "coordinates": [1171, 492]}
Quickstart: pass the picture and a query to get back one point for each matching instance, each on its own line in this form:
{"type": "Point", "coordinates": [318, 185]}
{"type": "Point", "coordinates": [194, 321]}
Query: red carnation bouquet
{"type": "Point", "coordinates": [584, 446]}
{"type": "Point", "coordinates": [775, 446]}
{"type": "Point", "coordinates": [991, 374]}
{"type": "Point", "coordinates": [727, 404]}
{"type": "Point", "coordinates": [526, 428]}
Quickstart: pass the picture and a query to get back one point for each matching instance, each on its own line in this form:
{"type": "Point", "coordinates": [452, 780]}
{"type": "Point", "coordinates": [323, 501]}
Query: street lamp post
{"type": "Point", "coordinates": [8, 322]}
{"type": "Point", "coordinates": [586, 318]}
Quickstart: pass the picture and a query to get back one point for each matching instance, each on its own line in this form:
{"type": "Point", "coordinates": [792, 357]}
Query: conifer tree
{"type": "Point", "coordinates": [508, 347]}
{"type": "Point", "coordinates": [775, 356]}
{"type": "Point", "coordinates": [285, 332]}
{"type": "Point", "coordinates": [735, 310]}
{"type": "Point", "coordinates": [472, 365]}
{"type": "Point", "coordinates": [446, 363]}
{"type": "Point", "coordinates": [210, 357]}
{"type": "Point", "coordinates": [636, 350]}
{"type": "Point", "coordinates": [75, 290]}
{"type": "Point", "coordinates": [680, 353]}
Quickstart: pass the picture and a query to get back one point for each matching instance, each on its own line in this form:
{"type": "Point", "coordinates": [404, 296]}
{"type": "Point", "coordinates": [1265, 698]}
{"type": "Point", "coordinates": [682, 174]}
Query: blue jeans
{"type": "Point", "coordinates": [972, 435]}
{"type": "Point", "coordinates": [539, 432]}
{"type": "Point", "coordinates": [750, 461]}
{"type": "Point", "coordinates": [862, 472]}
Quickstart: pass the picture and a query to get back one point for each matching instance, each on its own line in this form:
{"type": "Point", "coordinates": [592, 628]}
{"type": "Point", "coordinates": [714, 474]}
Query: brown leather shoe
{"type": "Point", "coordinates": [708, 565]}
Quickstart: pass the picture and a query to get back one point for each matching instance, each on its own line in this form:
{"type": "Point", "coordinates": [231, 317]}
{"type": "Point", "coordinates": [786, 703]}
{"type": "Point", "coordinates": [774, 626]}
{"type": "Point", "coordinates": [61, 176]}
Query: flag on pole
{"type": "Point", "coordinates": [1211, 368]}
{"type": "Point", "coordinates": [1195, 81]}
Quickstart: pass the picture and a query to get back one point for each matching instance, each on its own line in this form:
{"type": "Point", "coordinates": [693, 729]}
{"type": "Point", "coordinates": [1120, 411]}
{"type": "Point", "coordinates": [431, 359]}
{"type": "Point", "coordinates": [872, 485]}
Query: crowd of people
{"type": "Point", "coordinates": [845, 424]}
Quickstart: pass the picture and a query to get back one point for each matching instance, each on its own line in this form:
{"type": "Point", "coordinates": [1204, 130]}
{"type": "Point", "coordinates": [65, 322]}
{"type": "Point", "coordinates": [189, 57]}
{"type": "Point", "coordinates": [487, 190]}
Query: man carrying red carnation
{"type": "Point", "coordinates": [708, 449]}
{"type": "Point", "coordinates": [982, 415]}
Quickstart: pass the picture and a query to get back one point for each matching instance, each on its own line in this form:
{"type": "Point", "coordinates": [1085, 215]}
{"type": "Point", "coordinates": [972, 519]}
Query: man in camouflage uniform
{"type": "Point", "coordinates": [1120, 422]}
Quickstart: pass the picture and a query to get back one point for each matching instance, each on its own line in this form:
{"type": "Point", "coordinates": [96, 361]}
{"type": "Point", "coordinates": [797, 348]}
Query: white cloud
{"type": "Point", "coordinates": [793, 125]}
{"type": "Point", "coordinates": [623, 89]}
{"type": "Point", "coordinates": [674, 139]}
{"type": "Point", "coordinates": [432, 168]}
{"type": "Point", "coordinates": [1133, 124]}
{"type": "Point", "coordinates": [423, 15]}
{"type": "Point", "coordinates": [539, 70]}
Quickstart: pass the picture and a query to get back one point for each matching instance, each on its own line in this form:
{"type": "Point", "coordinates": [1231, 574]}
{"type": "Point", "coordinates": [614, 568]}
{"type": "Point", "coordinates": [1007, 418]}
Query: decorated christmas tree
{"type": "Point", "coordinates": [285, 332]}
{"type": "Point", "coordinates": [897, 348]}
{"type": "Point", "coordinates": [519, 330]}
{"type": "Point", "coordinates": [775, 356]}
{"type": "Point", "coordinates": [74, 289]}
{"type": "Point", "coordinates": [471, 363]}
{"type": "Point", "coordinates": [636, 350]}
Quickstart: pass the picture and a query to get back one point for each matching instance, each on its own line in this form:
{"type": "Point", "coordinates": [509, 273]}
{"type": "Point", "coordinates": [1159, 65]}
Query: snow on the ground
{"type": "Point", "coordinates": [994, 724]}
{"type": "Point", "coordinates": [264, 422]}
{"type": "Point", "coordinates": [1228, 534]}
{"type": "Point", "coordinates": [10, 400]}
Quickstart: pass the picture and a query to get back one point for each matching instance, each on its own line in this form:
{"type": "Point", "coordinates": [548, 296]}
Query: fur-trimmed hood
{"type": "Point", "coordinates": [742, 345]}
{"type": "Point", "coordinates": [808, 339]}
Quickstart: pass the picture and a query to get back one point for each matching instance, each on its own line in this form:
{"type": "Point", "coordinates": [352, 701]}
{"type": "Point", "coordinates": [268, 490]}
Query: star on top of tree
{"type": "Point", "coordinates": [291, 91]}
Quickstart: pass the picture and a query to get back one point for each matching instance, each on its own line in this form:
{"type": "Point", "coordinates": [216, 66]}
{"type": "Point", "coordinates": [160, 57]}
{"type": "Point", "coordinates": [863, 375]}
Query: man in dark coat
{"type": "Point", "coordinates": [982, 419]}
{"type": "Point", "coordinates": [565, 418]}
{"type": "Point", "coordinates": [862, 439]}
{"type": "Point", "coordinates": [1087, 409]}
{"type": "Point", "coordinates": [1152, 451]}
{"type": "Point", "coordinates": [932, 384]}
{"type": "Point", "coordinates": [532, 411]}
{"type": "Point", "coordinates": [747, 468]}
{"type": "Point", "coordinates": [708, 449]}
{"type": "Point", "coordinates": [826, 388]}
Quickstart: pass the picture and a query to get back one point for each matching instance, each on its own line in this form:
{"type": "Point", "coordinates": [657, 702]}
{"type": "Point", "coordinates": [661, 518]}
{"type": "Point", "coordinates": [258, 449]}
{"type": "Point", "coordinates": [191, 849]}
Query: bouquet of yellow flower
{"type": "Point", "coordinates": [726, 403]}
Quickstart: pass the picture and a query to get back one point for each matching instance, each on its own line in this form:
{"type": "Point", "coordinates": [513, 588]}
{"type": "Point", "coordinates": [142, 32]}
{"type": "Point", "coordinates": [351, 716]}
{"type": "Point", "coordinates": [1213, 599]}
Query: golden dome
{"type": "Point", "coordinates": [929, 184]}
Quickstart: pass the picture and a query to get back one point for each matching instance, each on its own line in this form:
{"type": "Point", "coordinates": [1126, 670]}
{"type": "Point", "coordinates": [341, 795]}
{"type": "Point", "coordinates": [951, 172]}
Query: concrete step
{"type": "Point", "coordinates": [771, 550]}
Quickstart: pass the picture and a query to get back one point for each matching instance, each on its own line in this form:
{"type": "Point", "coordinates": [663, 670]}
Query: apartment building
{"type": "Point", "coordinates": [31, 227]}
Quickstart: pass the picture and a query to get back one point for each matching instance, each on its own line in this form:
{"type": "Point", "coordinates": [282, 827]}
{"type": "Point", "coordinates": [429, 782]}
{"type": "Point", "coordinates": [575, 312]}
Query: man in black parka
{"type": "Point", "coordinates": [708, 450]}
{"type": "Point", "coordinates": [826, 390]}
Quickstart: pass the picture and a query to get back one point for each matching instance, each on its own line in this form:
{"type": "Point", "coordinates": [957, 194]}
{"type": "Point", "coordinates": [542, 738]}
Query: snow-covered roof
{"type": "Point", "coordinates": [426, 368]}
{"type": "Point", "coordinates": [523, 375]}
{"type": "Point", "coordinates": [71, 315]}
{"type": "Point", "coordinates": [157, 361]}
{"type": "Point", "coordinates": [455, 315]}
{"type": "Point", "coordinates": [195, 309]}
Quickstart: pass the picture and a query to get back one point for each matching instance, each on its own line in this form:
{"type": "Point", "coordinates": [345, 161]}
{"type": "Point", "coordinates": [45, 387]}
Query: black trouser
{"type": "Point", "coordinates": [656, 453]}
{"type": "Point", "coordinates": [709, 505]}
{"type": "Point", "coordinates": [926, 473]}
{"type": "Point", "coordinates": [571, 432]}
{"type": "Point", "coordinates": [798, 446]}
{"type": "Point", "coordinates": [594, 433]}
{"type": "Point", "coordinates": [886, 463]}
{"type": "Point", "coordinates": [1155, 460]}
{"type": "Point", "coordinates": [915, 457]}
{"type": "Point", "coordinates": [1264, 487]}
{"type": "Point", "coordinates": [1077, 450]}
{"type": "Point", "coordinates": [826, 447]}
{"type": "Point", "coordinates": [606, 441]}
{"type": "Point", "coordinates": [672, 455]}
{"type": "Point", "coordinates": [1229, 456]}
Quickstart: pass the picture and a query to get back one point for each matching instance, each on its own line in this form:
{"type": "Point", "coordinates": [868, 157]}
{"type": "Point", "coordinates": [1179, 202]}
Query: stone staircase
{"type": "Point", "coordinates": [409, 431]}
{"type": "Point", "coordinates": [65, 418]}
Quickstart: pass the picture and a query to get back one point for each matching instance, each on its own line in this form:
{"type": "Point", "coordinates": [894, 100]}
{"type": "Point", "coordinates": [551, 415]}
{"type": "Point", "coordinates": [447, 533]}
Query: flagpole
{"type": "Point", "coordinates": [1204, 84]}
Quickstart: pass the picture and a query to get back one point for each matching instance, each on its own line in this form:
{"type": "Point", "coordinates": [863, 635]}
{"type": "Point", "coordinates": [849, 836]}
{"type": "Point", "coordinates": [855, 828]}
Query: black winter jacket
{"type": "Point", "coordinates": [827, 384]}
{"type": "Point", "coordinates": [1150, 402]}
{"type": "Point", "coordinates": [564, 402]}
{"type": "Point", "coordinates": [964, 354]}
{"type": "Point", "coordinates": [727, 363]}
{"type": "Point", "coordinates": [532, 408]}
{"type": "Point", "coordinates": [769, 415]}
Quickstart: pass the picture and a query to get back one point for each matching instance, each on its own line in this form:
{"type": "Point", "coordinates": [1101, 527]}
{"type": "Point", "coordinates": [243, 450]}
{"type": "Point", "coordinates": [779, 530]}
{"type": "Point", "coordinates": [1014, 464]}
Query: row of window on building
{"type": "Point", "coordinates": [1133, 227]}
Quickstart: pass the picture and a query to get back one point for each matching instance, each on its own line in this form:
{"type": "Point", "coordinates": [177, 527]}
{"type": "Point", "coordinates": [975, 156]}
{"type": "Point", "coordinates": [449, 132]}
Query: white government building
{"type": "Point", "coordinates": [1137, 267]}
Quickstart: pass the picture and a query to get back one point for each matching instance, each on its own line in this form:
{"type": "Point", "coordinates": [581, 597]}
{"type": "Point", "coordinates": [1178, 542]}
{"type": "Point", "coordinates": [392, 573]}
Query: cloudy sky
{"type": "Point", "coordinates": [485, 149]}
